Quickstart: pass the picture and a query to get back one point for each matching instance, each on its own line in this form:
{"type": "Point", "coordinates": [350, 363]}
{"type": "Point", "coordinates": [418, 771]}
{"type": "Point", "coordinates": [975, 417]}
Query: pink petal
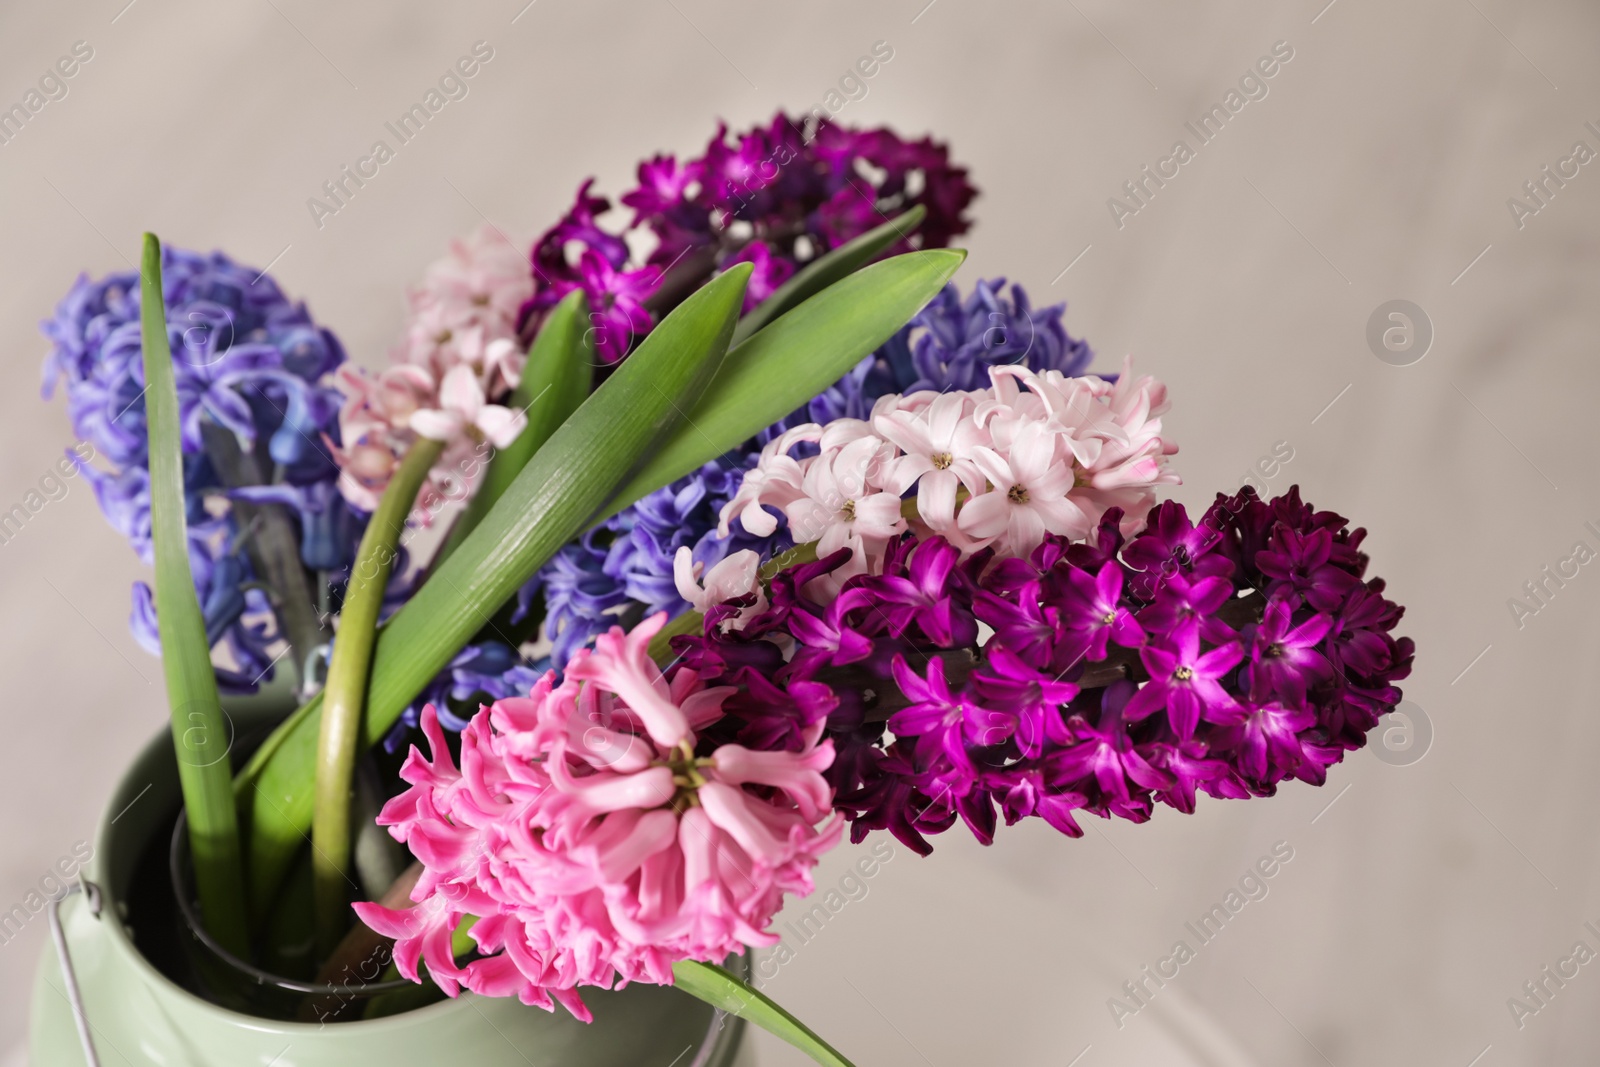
{"type": "Point", "coordinates": [795, 774]}
{"type": "Point", "coordinates": [461, 393]}
{"type": "Point", "coordinates": [731, 809]}
{"type": "Point", "coordinates": [436, 425]}
{"type": "Point", "coordinates": [500, 425]}
{"type": "Point", "coordinates": [985, 515]}
{"type": "Point", "coordinates": [936, 499]}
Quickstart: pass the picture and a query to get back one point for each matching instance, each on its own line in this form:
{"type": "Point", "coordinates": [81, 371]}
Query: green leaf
{"type": "Point", "coordinates": [793, 360]}
{"type": "Point", "coordinates": [554, 498]}
{"type": "Point", "coordinates": [731, 994]}
{"type": "Point", "coordinates": [827, 269]}
{"type": "Point", "coordinates": [557, 378]}
{"type": "Point", "coordinates": [200, 732]}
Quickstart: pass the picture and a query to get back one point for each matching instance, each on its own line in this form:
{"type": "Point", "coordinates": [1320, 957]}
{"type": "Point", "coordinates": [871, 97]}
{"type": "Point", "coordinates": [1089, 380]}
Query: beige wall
{"type": "Point", "coordinates": [1377, 167]}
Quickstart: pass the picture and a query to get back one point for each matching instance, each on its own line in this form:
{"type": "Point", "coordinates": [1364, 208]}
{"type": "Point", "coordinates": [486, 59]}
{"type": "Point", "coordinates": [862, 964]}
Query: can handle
{"type": "Point", "coordinates": [91, 893]}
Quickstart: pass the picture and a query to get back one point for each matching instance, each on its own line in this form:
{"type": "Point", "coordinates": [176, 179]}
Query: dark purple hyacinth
{"type": "Point", "coordinates": [1218, 657]}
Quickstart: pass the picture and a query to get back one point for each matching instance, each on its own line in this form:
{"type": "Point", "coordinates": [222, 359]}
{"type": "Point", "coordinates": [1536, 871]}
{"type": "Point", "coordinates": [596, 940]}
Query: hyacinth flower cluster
{"type": "Point", "coordinates": [1222, 656]}
{"type": "Point", "coordinates": [625, 566]}
{"type": "Point", "coordinates": [776, 196]}
{"type": "Point", "coordinates": [1035, 453]}
{"type": "Point", "coordinates": [598, 834]}
{"type": "Point", "coordinates": [250, 365]}
{"type": "Point", "coordinates": [458, 361]}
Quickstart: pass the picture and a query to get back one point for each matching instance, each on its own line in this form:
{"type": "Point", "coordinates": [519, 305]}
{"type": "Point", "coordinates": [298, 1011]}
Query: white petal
{"type": "Point", "coordinates": [755, 519]}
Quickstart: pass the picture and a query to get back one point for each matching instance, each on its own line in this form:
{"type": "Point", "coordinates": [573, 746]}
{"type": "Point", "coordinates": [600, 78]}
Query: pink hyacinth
{"type": "Point", "coordinates": [594, 839]}
{"type": "Point", "coordinates": [1034, 454]}
{"type": "Point", "coordinates": [458, 362]}
{"type": "Point", "coordinates": [468, 301]}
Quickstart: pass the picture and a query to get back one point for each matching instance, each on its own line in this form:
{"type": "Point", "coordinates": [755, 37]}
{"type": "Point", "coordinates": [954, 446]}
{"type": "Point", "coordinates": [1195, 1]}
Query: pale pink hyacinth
{"type": "Point", "coordinates": [1035, 453]}
{"type": "Point", "coordinates": [593, 837]}
{"type": "Point", "coordinates": [469, 299]}
{"type": "Point", "coordinates": [463, 412]}
{"type": "Point", "coordinates": [458, 361]}
{"type": "Point", "coordinates": [738, 575]}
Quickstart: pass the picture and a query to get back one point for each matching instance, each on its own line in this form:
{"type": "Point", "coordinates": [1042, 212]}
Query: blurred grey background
{"type": "Point", "coordinates": [1377, 167]}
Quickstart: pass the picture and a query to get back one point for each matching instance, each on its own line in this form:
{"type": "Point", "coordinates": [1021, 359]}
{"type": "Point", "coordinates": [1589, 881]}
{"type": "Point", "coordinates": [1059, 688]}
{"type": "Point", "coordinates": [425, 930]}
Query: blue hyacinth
{"type": "Point", "coordinates": [248, 363]}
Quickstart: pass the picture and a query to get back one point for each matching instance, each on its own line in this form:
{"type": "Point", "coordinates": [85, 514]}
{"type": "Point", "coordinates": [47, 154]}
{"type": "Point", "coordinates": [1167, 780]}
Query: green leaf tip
{"type": "Point", "coordinates": [727, 992]}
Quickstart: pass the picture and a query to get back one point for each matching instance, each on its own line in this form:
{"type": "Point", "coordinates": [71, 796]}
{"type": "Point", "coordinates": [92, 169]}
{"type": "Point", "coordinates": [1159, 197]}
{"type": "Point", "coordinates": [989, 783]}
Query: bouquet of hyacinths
{"type": "Point", "coordinates": [756, 529]}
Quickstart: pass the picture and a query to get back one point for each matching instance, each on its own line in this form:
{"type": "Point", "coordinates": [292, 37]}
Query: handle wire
{"type": "Point", "coordinates": [91, 893]}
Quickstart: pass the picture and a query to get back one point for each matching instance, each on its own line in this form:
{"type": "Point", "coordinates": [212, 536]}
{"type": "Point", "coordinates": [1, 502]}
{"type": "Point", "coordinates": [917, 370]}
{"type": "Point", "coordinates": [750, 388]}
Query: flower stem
{"type": "Point", "coordinates": [344, 696]}
{"type": "Point", "coordinates": [274, 551]}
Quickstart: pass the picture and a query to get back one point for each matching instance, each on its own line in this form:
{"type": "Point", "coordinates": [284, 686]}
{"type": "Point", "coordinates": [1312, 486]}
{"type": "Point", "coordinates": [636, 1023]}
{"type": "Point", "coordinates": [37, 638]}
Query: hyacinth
{"type": "Point", "coordinates": [627, 566]}
{"type": "Point", "coordinates": [249, 364]}
{"type": "Point", "coordinates": [1223, 657]}
{"type": "Point", "coordinates": [458, 361]}
{"type": "Point", "coordinates": [1035, 453]}
{"type": "Point", "coordinates": [776, 196]}
{"type": "Point", "coordinates": [597, 836]}
{"type": "Point", "coordinates": [468, 300]}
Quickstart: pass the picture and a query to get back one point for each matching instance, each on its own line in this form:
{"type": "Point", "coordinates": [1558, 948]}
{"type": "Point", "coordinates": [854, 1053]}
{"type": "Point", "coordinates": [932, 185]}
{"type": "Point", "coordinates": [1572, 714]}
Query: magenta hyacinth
{"type": "Point", "coordinates": [776, 196]}
{"type": "Point", "coordinates": [1222, 656]}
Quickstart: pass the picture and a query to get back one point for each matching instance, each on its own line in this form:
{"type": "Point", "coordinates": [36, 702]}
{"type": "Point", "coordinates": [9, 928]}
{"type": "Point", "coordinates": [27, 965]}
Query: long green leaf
{"type": "Point", "coordinates": [555, 496]}
{"type": "Point", "coordinates": [199, 730]}
{"type": "Point", "coordinates": [827, 269]}
{"type": "Point", "coordinates": [799, 355]}
{"type": "Point", "coordinates": [555, 381]}
{"type": "Point", "coordinates": [731, 994]}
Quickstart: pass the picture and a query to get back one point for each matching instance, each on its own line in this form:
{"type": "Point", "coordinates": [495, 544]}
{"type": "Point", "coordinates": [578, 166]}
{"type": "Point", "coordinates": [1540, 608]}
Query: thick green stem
{"type": "Point", "coordinates": [200, 731]}
{"type": "Point", "coordinates": [345, 694]}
